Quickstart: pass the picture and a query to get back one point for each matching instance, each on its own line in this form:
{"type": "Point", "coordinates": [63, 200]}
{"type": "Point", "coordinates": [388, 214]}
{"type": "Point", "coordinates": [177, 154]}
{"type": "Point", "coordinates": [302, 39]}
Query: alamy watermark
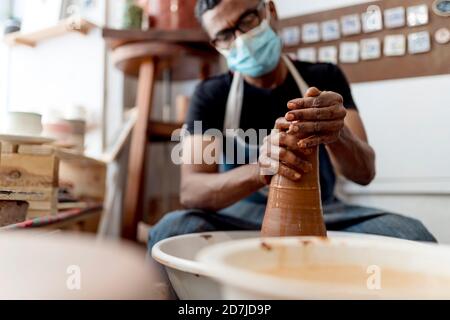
{"type": "Point", "coordinates": [74, 19]}
{"type": "Point", "coordinates": [73, 281]}
{"type": "Point", "coordinates": [374, 280]}
{"type": "Point", "coordinates": [227, 147]}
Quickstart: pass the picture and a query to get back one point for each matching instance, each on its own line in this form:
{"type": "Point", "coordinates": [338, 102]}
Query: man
{"type": "Point", "coordinates": [230, 197]}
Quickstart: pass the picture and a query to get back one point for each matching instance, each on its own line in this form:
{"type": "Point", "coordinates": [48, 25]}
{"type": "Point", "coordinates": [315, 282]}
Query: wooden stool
{"type": "Point", "coordinates": [145, 54]}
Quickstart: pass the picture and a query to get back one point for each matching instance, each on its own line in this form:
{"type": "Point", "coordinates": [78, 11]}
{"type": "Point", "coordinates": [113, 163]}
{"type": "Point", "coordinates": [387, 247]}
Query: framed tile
{"type": "Point", "coordinates": [307, 54]}
{"type": "Point", "coordinates": [370, 49]}
{"type": "Point", "coordinates": [330, 30]}
{"type": "Point", "coordinates": [417, 15]}
{"type": "Point", "coordinates": [311, 32]}
{"type": "Point", "coordinates": [419, 42]}
{"type": "Point", "coordinates": [291, 36]}
{"type": "Point", "coordinates": [351, 25]}
{"type": "Point", "coordinates": [395, 17]}
{"type": "Point", "coordinates": [372, 20]}
{"type": "Point", "coordinates": [394, 45]}
{"type": "Point", "coordinates": [349, 52]}
{"type": "Point", "coordinates": [328, 54]}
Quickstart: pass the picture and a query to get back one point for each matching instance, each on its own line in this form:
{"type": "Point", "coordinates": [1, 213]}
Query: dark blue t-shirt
{"type": "Point", "coordinates": [261, 108]}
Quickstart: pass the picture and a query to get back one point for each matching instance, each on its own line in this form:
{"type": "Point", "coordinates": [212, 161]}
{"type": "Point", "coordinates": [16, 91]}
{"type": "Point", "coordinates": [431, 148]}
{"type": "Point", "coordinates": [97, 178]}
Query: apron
{"type": "Point", "coordinates": [233, 118]}
{"type": "Point", "coordinates": [250, 211]}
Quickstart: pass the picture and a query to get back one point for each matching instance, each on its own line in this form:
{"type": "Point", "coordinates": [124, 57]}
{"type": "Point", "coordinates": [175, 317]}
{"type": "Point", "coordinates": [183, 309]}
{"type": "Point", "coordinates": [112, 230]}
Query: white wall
{"type": "Point", "coordinates": [407, 123]}
{"type": "Point", "coordinates": [292, 8]}
{"type": "Point", "coordinates": [56, 75]}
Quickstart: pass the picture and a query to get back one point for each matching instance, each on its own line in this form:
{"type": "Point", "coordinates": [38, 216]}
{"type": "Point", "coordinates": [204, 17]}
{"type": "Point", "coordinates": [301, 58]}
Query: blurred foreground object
{"type": "Point", "coordinates": [12, 212]}
{"type": "Point", "coordinates": [133, 15]}
{"type": "Point", "coordinates": [11, 25]}
{"type": "Point", "coordinates": [74, 267]}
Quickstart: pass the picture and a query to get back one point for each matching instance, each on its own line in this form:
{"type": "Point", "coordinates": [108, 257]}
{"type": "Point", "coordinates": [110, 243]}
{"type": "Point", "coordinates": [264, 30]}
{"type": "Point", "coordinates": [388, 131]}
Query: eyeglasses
{"type": "Point", "coordinates": [248, 21]}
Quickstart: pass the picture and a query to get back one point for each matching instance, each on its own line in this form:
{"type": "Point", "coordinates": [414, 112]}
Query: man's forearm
{"type": "Point", "coordinates": [215, 191]}
{"type": "Point", "coordinates": [353, 157]}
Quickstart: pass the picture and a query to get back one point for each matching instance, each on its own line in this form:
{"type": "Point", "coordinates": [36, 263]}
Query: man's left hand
{"type": "Point", "coordinates": [316, 119]}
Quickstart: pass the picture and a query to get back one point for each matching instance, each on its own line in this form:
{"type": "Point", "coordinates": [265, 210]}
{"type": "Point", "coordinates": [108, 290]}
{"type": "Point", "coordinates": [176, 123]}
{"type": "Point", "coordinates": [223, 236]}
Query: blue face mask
{"type": "Point", "coordinates": [256, 52]}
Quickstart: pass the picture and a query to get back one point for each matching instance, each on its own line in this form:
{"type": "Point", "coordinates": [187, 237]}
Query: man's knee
{"type": "Point", "coordinates": [397, 226]}
{"type": "Point", "coordinates": [414, 229]}
{"type": "Point", "coordinates": [177, 223]}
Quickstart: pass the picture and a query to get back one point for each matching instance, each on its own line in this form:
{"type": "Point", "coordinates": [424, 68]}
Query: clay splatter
{"type": "Point", "coordinates": [265, 246]}
{"type": "Point", "coordinates": [206, 236]}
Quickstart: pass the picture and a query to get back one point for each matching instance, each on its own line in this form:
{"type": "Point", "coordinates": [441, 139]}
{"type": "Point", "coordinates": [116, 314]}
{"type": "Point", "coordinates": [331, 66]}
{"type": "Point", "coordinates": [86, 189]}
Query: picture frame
{"type": "Point", "coordinates": [349, 52]}
{"type": "Point", "coordinates": [394, 45]}
{"type": "Point", "coordinates": [310, 33]}
{"type": "Point", "coordinates": [351, 25]}
{"type": "Point", "coordinates": [442, 35]}
{"type": "Point", "coordinates": [372, 19]}
{"type": "Point", "coordinates": [419, 42]}
{"type": "Point", "coordinates": [307, 54]}
{"type": "Point", "coordinates": [291, 35]}
{"type": "Point", "coordinates": [328, 54]}
{"type": "Point", "coordinates": [395, 17]}
{"type": "Point", "coordinates": [330, 30]}
{"type": "Point", "coordinates": [417, 15]}
{"type": "Point", "coordinates": [441, 8]}
{"type": "Point", "coordinates": [370, 49]}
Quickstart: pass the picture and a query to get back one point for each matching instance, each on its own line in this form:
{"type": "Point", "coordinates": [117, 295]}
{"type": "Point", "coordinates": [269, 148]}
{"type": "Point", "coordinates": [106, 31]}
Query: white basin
{"type": "Point", "coordinates": [191, 279]}
{"type": "Point", "coordinates": [385, 269]}
{"type": "Point", "coordinates": [188, 277]}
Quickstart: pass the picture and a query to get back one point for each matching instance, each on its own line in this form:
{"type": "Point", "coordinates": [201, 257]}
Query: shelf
{"type": "Point", "coordinates": [116, 37]}
{"type": "Point", "coordinates": [64, 27]}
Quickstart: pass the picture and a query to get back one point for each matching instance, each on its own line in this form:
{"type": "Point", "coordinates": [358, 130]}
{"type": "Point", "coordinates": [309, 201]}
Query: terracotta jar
{"type": "Point", "coordinates": [173, 14]}
{"type": "Point", "coordinates": [295, 208]}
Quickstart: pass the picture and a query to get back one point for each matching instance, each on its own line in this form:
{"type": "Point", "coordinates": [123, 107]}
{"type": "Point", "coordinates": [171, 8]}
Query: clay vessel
{"type": "Point", "coordinates": [295, 208]}
{"type": "Point", "coordinates": [173, 14]}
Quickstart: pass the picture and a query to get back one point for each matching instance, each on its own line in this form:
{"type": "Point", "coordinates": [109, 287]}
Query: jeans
{"type": "Point", "coordinates": [246, 215]}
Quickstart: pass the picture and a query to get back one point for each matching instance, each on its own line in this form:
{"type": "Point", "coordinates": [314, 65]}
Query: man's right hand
{"type": "Point", "coordinates": [280, 154]}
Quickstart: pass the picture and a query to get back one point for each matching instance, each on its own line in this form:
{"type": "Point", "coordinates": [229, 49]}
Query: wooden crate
{"type": "Point", "coordinates": [33, 173]}
{"type": "Point", "coordinates": [12, 212]}
{"type": "Point", "coordinates": [85, 176]}
{"type": "Point", "coordinates": [31, 177]}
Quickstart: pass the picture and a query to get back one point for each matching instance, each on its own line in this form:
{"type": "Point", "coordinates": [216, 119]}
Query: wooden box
{"type": "Point", "coordinates": [30, 177]}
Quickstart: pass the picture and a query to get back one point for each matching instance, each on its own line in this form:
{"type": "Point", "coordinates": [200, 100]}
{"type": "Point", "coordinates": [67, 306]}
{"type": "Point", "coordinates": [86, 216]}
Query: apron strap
{"type": "Point", "coordinates": [302, 85]}
{"type": "Point", "coordinates": [236, 95]}
{"type": "Point", "coordinates": [234, 103]}
{"type": "Point", "coordinates": [236, 100]}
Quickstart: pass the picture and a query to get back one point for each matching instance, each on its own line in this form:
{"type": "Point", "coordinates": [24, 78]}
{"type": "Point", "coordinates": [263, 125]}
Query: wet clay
{"type": "Point", "coordinates": [354, 276]}
{"type": "Point", "coordinates": [295, 208]}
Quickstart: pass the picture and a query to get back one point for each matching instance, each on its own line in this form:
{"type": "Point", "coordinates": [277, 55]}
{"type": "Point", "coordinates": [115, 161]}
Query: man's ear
{"type": "Point", "coordinates": [273, 11]}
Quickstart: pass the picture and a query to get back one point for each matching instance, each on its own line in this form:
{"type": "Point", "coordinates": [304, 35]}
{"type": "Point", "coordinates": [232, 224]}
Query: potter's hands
{"type": "Point", "coordinates": [316, 119]}
{"type": "Point", "coordinates": [280, 153]}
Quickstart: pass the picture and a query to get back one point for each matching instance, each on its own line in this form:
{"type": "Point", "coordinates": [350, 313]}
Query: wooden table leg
{"type": "Point", "coordinates": [133, 208]}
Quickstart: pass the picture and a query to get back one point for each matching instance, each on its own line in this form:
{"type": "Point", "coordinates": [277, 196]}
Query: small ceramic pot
{"type": "Point", "coordinates": [22, 124]}
{"type": "Point", "coordinates": [173, 14]}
